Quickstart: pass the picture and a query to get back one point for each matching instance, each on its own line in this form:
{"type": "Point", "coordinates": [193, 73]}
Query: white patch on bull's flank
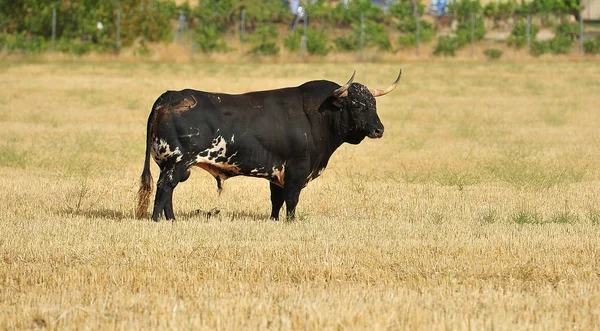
{"type": "Point", "coordinates": [259, 173]}
{"type": "Point", "coordinates": [161, 151]}
{"type": "Point", "coordinates": [232, 138]}
{"type": "Point", "coordinates": [209, 163]}
{"type": "Point", "coordinates": [278, 175]}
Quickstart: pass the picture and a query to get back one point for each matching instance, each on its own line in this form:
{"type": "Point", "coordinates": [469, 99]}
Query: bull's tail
{"type": "Point", "coordinates": [146, 183]}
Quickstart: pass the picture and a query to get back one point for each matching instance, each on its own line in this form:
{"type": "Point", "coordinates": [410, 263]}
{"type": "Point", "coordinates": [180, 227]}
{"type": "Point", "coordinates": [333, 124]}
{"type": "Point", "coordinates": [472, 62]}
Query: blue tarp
{"type": "Point", "coordinates": [438, 7]}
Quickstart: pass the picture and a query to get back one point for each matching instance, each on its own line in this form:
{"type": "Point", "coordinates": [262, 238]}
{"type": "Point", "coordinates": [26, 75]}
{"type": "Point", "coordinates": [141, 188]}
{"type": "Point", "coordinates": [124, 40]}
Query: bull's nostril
{"type": "Point", "coordinates": [376, 133]}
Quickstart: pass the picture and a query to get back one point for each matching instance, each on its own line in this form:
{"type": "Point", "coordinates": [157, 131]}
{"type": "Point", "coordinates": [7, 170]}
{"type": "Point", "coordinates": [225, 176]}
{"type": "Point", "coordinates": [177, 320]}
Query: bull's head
{"type": "Point", "coordinates": [359, 103]}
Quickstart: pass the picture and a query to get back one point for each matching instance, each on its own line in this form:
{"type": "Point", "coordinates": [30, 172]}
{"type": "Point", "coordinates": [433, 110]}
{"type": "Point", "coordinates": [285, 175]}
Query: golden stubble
{"type": "Point", "coordinates": [478, 209]}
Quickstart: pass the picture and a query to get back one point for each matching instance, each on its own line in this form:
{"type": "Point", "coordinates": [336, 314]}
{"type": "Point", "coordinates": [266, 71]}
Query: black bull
{"type": "Point", "coordinates": [285, 136]}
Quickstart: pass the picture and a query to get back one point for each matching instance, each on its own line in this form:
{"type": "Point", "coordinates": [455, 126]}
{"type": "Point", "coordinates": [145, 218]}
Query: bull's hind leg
{"type": "Point", "coordinates": [168, 180]}
{"type": "Point", "coordinates": [277, 199]}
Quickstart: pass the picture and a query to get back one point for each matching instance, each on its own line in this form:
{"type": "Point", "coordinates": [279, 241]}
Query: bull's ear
{"type": "Point", "coordinates": [338, 104]}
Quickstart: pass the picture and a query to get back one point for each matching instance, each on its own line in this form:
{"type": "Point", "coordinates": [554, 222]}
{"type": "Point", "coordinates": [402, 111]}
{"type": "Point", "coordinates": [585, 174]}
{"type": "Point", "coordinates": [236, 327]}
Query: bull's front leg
{"type": "Point", "coordinates": [292, 197]}
{"type": "Point", "coordinates": [295, 180]}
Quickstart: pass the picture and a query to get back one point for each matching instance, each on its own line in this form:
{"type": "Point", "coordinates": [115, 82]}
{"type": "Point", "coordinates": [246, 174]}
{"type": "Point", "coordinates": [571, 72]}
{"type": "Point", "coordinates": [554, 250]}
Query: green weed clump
{"type": "Point", "coordinates": [264, 43]}
{"type": "Point", "coordinates": [526, 217]}
{"type": "Point", "coordinates": [446, 46]}
{"type": "Point", "coordinates": [11, 156]}
{"type": "Point", "coordinates": [23, 42]}
{"type": "Point", "coordinates": [403, 10]}
{"type": "Point", "coordinates": [594, 217]}
{"type": "Point", "coordinates": [591, 46]}
{"type": "Point", "coordinates": [518, 36]}
{"type": "Point", "coordinates": [316, 43]}
{"type": "Point", "coordinates": [493, 53]}
{"type": "Point", "coordinates": [375, 34]}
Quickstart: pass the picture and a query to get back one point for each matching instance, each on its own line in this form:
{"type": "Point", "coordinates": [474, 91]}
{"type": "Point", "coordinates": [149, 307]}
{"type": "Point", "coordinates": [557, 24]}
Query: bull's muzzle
{"type": "Point", "coordinates": [376, 133]}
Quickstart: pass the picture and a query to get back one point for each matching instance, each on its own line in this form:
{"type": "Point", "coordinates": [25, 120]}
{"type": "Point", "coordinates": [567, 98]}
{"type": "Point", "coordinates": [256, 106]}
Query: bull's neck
{"type": "Point", "coordinates": [338, 129]}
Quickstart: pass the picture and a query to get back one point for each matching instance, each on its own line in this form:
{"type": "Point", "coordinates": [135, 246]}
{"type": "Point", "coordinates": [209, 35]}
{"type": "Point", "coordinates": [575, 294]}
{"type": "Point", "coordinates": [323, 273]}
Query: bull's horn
{"type": "Point", "coordinates": [377, 93]}
{"type": "Point", "coordinates": [343, 91]}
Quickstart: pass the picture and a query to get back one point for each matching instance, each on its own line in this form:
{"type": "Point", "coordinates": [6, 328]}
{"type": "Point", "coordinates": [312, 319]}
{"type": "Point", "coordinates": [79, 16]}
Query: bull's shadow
{"type": "Point", "coordinates": [101, 213]}
{"type": "Point", "coordinates": [224, 215]}
{"type": "Point", "coordinates": [193, 215]}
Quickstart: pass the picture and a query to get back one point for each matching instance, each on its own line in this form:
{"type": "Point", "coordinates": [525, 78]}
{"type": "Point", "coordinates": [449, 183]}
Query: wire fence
{"type": "Point", "coordinates": [184, 35]}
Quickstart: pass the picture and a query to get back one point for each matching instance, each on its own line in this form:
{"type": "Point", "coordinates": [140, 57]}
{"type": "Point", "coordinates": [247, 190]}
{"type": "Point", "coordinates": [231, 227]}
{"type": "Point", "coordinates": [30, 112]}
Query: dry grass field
{"type": "Point", "coordinates": [478, 209]}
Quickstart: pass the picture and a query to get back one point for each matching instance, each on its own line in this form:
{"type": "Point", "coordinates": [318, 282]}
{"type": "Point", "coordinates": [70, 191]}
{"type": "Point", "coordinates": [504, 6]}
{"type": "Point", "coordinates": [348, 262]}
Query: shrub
{"type": "Point", "coordinates": [209, 37]}
{"type": "Point", "coordinates": [348, 43]}
{"type": "Point", "coordinates": [375, 35]}
{"type": "Point", "coordinates": [211, 21]}
{"type": "Point", "coordinates": [567, 30]}
{"type": "Point", "coordinates": [518, 36]}
{"type": "Point", "coordinates": [463, 31]}
{"type": "Point", "coordinates": [591, 46]}
{"type": "Point", "coordinates": [349, 14]}
{"type": "Point", "coordinates": [403, 10]}
{"type": "Point", "coordinates": [500, 11]}
{"type": "Point", "coordinates": [540, 47]}
{"type": "Point", "coordinates": [317, 11]}
{"type": "Point", "coordinates": [446, 46]}
{"type": "Point", "coordinates": [556, 7]}
{"type": "Point", "coordinates": [426, 34]}
{"type": "Point", "coordinates": [22, 42]}
{"type": "Point", "coordinates": [462, 9]}
{"type": "Point", "coordinates": [316, 43]}
{"type": "Point", "coordinates": [560, 45]}
{"type": "Point", "coordinates": [148, 20]}
{"type": "Point", "coordinates": [74, 47]}
{"type": "Point", "coordinates": [263, 41]}
{"type": "Point", "coordinates": [257, 12]}
{"type": "Point", "coordinates": [493, 53]}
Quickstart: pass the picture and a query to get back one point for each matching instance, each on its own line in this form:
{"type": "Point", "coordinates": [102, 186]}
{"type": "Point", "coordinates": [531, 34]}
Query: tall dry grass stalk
{"type": "Point", "coordinates": [478, 209]}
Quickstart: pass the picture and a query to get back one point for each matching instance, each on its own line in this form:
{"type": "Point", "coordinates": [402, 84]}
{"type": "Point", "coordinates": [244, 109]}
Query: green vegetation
{"type": "Point", "coordinates": [500, 11]}
{"type": "Point", "coordinates": [518, 36]}
{"type": "Point", "coordinates": [91, 25]}
{"type": "Point", "coordinates": [11, 156]}
{"type": "Point", "coordinates": [264, 43]}
{"type": "Point", "coordinates": [565, 33]}
{"type": "Point", "coordinates": [404, 12]}
{"type": "Point", "coordinates": [316, 43]}
{"type": "Point", "coordinates": [493, 53]}
{"type": "Point", "coordinates": [446, 46]}
{"type": "Point", "coordinates": [591, 46]}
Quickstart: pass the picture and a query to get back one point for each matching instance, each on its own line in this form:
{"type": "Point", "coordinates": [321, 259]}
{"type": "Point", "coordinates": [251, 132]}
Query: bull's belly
{"type": "Point", "coordinates": [223, 170]}
{"type": "Point", "coordinates": [222, 161]}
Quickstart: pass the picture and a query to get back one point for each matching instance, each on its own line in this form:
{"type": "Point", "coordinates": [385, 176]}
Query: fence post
{"type": "Point", "coordinates": [581, 32]}
{"type": "Point", "coordinates": [118, 30]}
{"type": "Point", "coordinates": [243, 29]}
{"type": "Point", "coordinates": [418, 40]}
{"type": "Point", "coordinates": [362, 34]}
{"type": "Point", "coordinates": [181, 29]}
{"type": "Point", "coordinates": [528, 33]}
{"type": "Point", "coordinates": [472, 34]}
{"type": "Point", "coordinates": [53, 29]}
{"type": "Point", "coordinates": [304, 39]}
